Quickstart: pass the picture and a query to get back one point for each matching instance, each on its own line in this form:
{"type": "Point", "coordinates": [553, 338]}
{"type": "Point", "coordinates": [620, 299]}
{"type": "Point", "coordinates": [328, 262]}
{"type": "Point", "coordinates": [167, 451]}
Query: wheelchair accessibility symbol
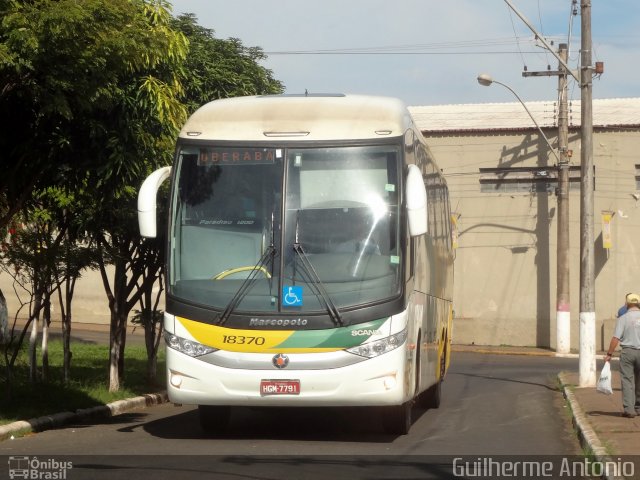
{"type": "Point", "coordinates": [291, 296]}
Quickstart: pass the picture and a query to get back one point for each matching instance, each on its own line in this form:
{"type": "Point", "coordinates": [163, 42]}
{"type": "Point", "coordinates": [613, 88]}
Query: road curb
{"type": "Point", "coordinates": [587, 436]}
{"type": "Point", "coordinates": [513, 351]}
{"type": "Point", "coordinates": [525, 351]}
{"type": "Point", "coordinates": [58, 420]}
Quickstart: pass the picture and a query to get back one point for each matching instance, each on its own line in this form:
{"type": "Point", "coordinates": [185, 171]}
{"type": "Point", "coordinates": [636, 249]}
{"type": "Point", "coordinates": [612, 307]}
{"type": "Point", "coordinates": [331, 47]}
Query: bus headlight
{"type": "Point", "coordinates": [188, 347]}
{"type": "Point", "coordinates": [384, 345]}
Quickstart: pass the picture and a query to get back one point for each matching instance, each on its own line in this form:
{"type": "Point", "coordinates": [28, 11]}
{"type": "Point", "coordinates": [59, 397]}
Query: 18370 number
{"type": "Point", "coordinates": [243, 340]}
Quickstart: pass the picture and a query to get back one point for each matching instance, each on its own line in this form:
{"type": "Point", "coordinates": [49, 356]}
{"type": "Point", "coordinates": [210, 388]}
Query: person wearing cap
{"type": "Point", "coordinates": [623, 309]}
{"type": "Point", "coordinates": [627, 334]}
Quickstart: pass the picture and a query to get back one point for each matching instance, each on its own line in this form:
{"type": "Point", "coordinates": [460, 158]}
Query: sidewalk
{"type": "Point", "coordinates": [598, 417]}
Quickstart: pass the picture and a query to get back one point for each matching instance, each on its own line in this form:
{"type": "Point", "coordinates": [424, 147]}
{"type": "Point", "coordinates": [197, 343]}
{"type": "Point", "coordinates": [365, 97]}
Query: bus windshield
{"type": "Point", "coordinates": [285, 230]}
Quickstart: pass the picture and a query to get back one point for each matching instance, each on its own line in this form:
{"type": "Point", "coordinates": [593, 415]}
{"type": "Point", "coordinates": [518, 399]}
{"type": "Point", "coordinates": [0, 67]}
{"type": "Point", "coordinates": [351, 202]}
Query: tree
{"type": "Point", "coordinates": [75, 254]}
{"type": "Point", "coordinates": [218, 68]}
{"type": "Point", "coordinates": [29, 256]}
{"type": "Point", "coordinates": [134, 138]}
{"type": "Point", "coordinates": [95, 92]}
{"type": "Point", "coordinates": [212, 68]}
{"type": "Point", "coordinates": [63, 66]}
{"type": "Point", "coordinates": [149, 316]}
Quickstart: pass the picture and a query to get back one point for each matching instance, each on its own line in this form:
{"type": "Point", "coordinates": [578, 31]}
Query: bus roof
{"type": "Point", "coordinates": [298, 117]}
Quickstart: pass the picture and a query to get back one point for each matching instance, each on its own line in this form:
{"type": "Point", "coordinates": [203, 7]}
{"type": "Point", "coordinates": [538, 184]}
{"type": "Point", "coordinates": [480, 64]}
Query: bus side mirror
{"type": "Point", "coordinates": [416, 202]}
{"type": "Point", "coordinates": [147, 202]}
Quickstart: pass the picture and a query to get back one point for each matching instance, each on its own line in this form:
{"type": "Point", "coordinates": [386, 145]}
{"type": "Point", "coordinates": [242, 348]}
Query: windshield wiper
{"type": "Point", "coordinates": [268, 256]}
{"type": "Point", "coordinates": [317, 286]}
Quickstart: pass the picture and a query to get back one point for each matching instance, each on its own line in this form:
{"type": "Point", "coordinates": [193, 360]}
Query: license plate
{"type": "Point", "coordinates": [279, 387]}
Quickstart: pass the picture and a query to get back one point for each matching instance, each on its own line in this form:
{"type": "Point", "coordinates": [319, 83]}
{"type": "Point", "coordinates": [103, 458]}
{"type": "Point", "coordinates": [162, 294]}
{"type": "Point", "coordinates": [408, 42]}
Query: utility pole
{"type": "Point", "coordinates": [542, 40]}
{"type": "Point", "coordinates": [587, 357]}
{"type": "Point", "coordinates": [563, 304]}
{"type": "Point", "coordinates": [563, 288]}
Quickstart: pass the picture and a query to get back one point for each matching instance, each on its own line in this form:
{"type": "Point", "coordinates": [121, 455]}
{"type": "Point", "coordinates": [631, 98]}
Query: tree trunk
{"type": "Point", "coordinates": [151, 343]}
{"type": "Point", "coordinates": [66, 349]}
{"type": "Point", "coordinates": [147, 317]}
{"type": "Point", "coordinates": [114, 357]}
{"type": "Point", "coordinates": [8, 382]}
{"type": "Point", "coordinates": [118, 328]}
{"type": "Point", "coordinates": [65, 310]}
{"type": "Point", "coordinates": [45, 341]}
{"type": "Point", "coordinates": [116, 352]}
{"type": "Point", "coordinates": [150, 340]}
{"type": "Point", "coordinates": [120, 304]}
{"type": "Point", "coordinates": [33, 338]}
{"type": "Point", "coordinates": [122, 343]}
{"type": "Point", "coordinates": [4, 320]}
{"type": "Point", "coordinates": [152, 368]}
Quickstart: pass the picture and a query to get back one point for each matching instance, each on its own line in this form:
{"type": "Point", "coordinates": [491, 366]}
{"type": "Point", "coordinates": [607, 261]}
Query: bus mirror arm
{"type": "Point", "coordinates": [147, 201]}
{"type": "Point", "coordinates": [416, 202]}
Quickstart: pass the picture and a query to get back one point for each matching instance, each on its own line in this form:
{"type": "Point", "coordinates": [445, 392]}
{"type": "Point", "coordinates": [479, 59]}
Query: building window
{"type": "Point", "coordinates": [527, 179]}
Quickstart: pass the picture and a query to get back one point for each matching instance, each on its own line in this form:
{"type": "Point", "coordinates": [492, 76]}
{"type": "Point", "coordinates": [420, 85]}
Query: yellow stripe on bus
{"type": "Point", "coordinates": [249, 341]}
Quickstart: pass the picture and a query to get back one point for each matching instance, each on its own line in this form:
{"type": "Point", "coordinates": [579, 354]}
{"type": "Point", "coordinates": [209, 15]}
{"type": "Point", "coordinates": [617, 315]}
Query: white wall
{"type": "Point", "coordinates": [505, 271]}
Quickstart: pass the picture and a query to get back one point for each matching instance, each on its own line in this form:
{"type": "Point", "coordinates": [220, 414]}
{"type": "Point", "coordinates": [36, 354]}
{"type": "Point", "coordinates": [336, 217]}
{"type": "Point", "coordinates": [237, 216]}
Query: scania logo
{"type": "Point", "coordinates": [280, 361]}
{"type": "Point", "coordinates": [359, 333]}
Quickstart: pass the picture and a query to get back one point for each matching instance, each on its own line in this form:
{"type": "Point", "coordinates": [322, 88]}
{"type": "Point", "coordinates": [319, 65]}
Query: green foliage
{"type": "Point", "coordinates": [217, 68]}
{"type": "Point", "coordinates": [43, 247]}
{"type": "Point", "coordinates": [96, 91]}
{"type": "Point", "coordinates": [79, 79]}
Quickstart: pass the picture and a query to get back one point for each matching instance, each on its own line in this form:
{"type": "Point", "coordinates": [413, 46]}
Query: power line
{"type": "Point", "coordinates": [513, 26]}
{"type": "Point", "coordinates": [546, 55]}
{"type": "Point", "coordinates": [437, 48]}
{"type": "Point", "coordinates": [319, 52]}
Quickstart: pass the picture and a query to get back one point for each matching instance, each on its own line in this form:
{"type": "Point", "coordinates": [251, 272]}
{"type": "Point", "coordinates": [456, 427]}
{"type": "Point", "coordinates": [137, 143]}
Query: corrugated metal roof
{"type": "Point", "coordinates": [512, 116]}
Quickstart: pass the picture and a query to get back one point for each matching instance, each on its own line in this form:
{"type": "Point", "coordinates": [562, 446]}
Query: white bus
{"type": "Point", "coordinates": [310, 258]}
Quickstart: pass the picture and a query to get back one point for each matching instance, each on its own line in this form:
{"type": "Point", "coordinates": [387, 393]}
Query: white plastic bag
{"type": "Point", "coordinates": [604, 382]}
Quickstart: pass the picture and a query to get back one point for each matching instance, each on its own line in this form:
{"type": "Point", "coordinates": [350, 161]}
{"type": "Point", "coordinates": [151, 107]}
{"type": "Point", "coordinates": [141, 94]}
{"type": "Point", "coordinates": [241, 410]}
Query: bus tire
{"type": "Point", "coordinates": [396, 420]}
{"type": "Point", "coordinates": [214, 418]}
{"type": "Point", "coordinates": [433, 396]}
{"type": "Point", "coordinates": [430, 398]}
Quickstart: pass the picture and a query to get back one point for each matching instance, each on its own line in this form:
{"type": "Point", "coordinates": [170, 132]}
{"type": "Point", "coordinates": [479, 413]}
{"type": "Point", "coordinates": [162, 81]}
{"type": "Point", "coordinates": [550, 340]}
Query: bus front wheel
{"type": "Point", "coordinates": [432, 397]}
{"type": "Point", "coordinates": [396, 420]}
{"type": "Point", "coordinates": [214, 418]}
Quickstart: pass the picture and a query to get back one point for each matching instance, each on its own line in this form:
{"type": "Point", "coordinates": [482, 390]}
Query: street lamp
{"type": "Point", "coordinates": [563, 314]}
{"type": "Point", "coordinates": [485, 80]}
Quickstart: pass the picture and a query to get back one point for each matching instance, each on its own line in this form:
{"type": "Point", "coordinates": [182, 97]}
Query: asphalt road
{"type": "Point", "coordinates": [493, 405]}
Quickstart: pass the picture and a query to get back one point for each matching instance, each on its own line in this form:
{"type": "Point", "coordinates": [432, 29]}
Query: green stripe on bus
{"type": "Point", "coordinates": [332, 338]}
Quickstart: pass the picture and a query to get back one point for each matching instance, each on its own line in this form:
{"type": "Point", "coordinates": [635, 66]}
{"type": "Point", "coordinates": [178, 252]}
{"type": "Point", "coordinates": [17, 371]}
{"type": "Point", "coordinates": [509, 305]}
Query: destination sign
{"type": "Point", "coordinates": [235, 156]}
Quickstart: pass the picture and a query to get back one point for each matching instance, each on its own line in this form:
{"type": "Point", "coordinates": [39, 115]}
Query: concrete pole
{"type": "Point", "coordinates": [540, 38]}
{"type": "Point", "coordinates": [563, 305]}
{"type": "Point", "coordinates": [587, 357]}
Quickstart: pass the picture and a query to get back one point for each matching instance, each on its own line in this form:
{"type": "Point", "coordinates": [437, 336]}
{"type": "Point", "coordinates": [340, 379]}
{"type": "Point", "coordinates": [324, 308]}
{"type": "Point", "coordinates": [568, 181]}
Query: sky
{"type": "Point", "coordinates": [428, 52]}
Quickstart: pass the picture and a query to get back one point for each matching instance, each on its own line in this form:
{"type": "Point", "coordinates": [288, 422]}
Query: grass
{"type": "Point", "coordinates": [88, 386]}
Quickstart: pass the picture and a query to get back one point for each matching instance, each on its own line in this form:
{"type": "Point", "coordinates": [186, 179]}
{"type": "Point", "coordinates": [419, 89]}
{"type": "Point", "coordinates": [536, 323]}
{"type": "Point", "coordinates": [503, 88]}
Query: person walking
{"type": "Point", "coordinates": [627, 334]}
{"type": "Point", "coordinates": [623, 309]}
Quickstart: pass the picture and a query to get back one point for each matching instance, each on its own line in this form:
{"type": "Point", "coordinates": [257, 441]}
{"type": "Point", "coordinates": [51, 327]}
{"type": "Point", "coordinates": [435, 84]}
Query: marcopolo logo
{"type": "Point", "coordinates": [278, 322]}
{"type": "Point", "coordinates": [34, 468]}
